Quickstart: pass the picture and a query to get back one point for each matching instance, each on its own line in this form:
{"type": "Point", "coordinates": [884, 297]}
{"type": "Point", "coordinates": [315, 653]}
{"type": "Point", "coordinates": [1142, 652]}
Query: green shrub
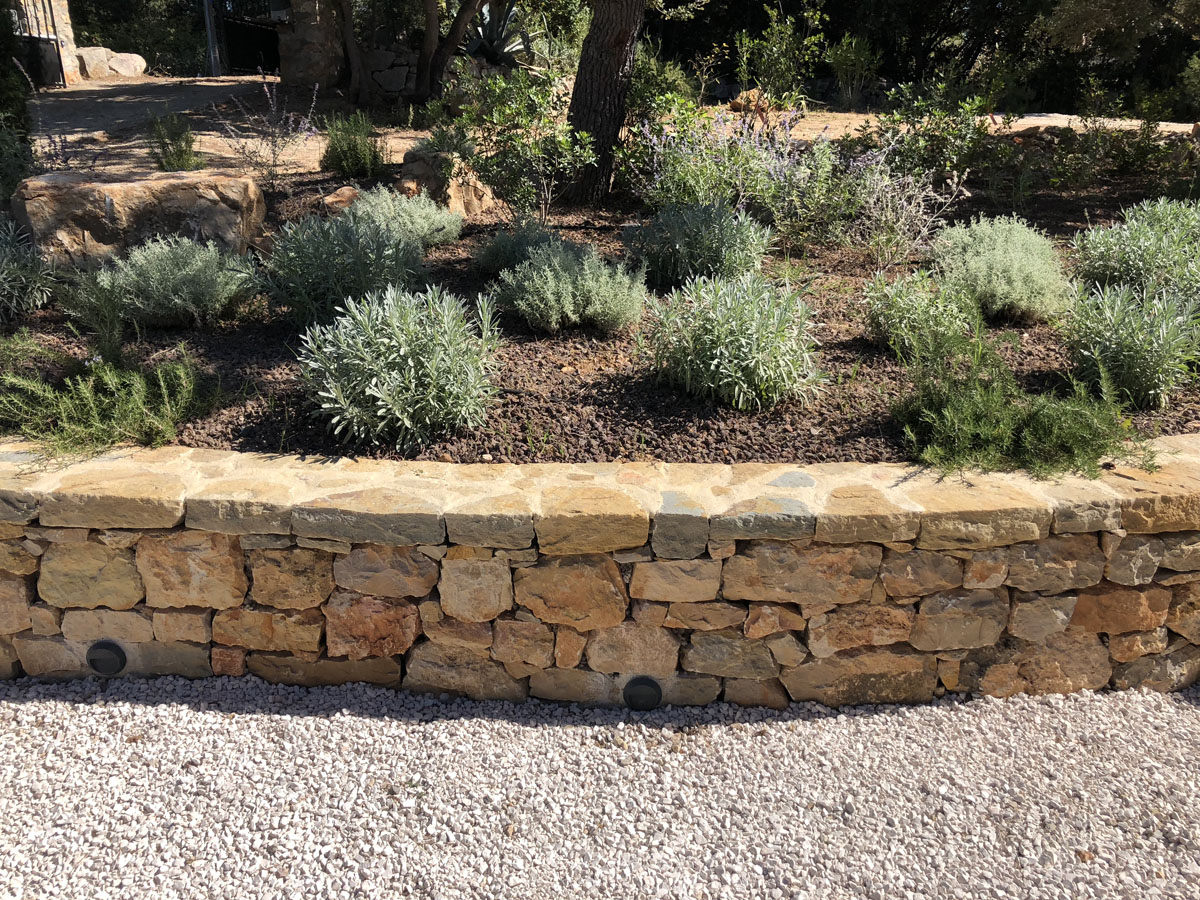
{"type": "Point", "coordinates": [558, 287]}
{"type": "Point", "coordinates": [1143, 343]}
{"type": "Point", "coordinates": [103, 406]}
{"type": "Point", "coordinates": [171, 282]}
{"type": "Point", "coordinates": [742, 342]}
{"type": "Point", "coordinates": [26, 282]}
{"type": "Point", "coordinates": [399, 369]}
{"type": "Point", "coordinates": [173, 145]}
{"type": "Point", "coordinates": [1156, 245]}
{"type": "Point", "coordinates": [417, 218]}
{"type": "Point", "coordinates": [914, 316]}
{"type": "Point", "coordinates": [1010, 269]}
{"type": "Point", "coordinates": [351, 147]}
{"type": "Point", "coordinates": [16, 155]}
{"type": "Point", "coordinates": [708, 239]}
{"type": "Point", "coordinates": [653, 79]}
{"type": "Point", "coordinates": [317, 263]}
{"type": "Point", "coordinates": [968, 412]}
{"type": "Point", "coordinates": [510, 247]}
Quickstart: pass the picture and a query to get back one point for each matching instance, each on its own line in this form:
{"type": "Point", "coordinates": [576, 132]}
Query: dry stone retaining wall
{"type": "Point", "coordinates": [756, 584]}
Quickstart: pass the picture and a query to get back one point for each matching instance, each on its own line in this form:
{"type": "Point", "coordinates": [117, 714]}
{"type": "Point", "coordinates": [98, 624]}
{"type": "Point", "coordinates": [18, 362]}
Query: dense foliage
{"type": "Point", "coordinates": [682, 242]}
{"type": "Point", "coordinates": [397, 369]}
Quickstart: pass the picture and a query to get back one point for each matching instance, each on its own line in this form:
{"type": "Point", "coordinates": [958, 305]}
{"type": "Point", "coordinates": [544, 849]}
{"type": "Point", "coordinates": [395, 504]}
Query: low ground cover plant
{"type": "Point", "coordinates": [1012, 271]}
{"type": "Point", "coordinates": [317, 263]}
{"type": "Point", "coordinates": [396, 369]}
{"type": "Point", "coordinates": [682, 242]}
{"type": "Point", "coordinates": [913, 315]}
{"type": "Point", "coordinates": [26, 282]}
{"type": "Point", "coordinates": [419, 218]}
{"type": "Point", "coordinates": [559, 287]}
{"type": "Point", "coordinates": [743, 342]}
{"type": "Point", "coordinates": [104, 404]}
{"type": "Point", "coordinates": [1141, 343]}
{"type": "Point", "coordinates": [1155, 245]}
{"type": "Point", "coordinates": [352, 147]}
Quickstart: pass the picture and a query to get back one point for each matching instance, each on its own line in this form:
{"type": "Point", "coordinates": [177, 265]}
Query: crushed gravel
{"type": "Point", "coordinates": [239, 789]}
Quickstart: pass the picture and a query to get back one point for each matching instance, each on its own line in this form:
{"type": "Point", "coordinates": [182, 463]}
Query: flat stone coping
{"type": "Point", "coordinates": [581, 508]}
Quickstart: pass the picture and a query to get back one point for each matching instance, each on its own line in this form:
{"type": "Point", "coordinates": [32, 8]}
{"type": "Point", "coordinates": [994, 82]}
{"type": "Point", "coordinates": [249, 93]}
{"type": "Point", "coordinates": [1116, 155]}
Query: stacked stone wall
{"type": "Point", "coordinates": [753, 584]}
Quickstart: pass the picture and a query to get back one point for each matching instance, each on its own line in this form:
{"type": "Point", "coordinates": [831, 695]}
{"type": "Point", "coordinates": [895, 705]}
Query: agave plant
{"type": "Point", "coordinates": [496, 35]}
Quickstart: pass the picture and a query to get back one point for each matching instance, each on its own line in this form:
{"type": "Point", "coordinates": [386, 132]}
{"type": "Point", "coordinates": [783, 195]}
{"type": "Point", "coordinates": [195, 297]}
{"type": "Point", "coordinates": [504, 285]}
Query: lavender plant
{"type": "Point", "coordinates": [262, 139]}
{"type": "Point", "coordinates": [682, 242]}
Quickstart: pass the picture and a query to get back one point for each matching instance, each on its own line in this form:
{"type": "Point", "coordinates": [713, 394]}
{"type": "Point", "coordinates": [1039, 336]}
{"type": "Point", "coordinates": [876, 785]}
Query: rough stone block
{"type": "Point", "coordinates": [575, 686]}
{"type": "Point", "coordinates": [268, 629]}
{"type": "Point", "coordinates": [192, 568]}
{"type": "Point", "coordinates": [290, 579]}
{"type": "Point", "coordinates": [122, 626]}
{"type": "Point", "coordinates": [919, 572]}
{"type": "Point", "coordinates": [286, 669]}
{"type": "Point", "coordinates": [809, 575]}
{"type": "Point", "coordinates": [728, 654]}
{"type": "Point", "coordinates": [1115, 609]}
{"type": "Point", "coordinates": [579, 519]}
{"type": "Point", "coordinates": [585, 592]}
{"type": "Point", "coordinates": [864, 676]}
{"type": "Point", "coordinates": [676, 581]}
{"type": "Point", "coordinates": [954, 620]}
{"type": "Point", "coordinates": [713, 616]}
{"type": "Point", "coordinates": [744, 692]}
{"type": "Point", "coordinates": [16, 595]}
{"type": "Point", "coordinates": [438, 669]}
{"type": "Point", "coordinates": [475, 590]}
{"type": "Point", "coordinates": [515, 641]}
{"type": "Point", "coordinates": [89, 575]}
{"type": "Point", "coordinates": [858, 625]}
{"type": "Point", "coordinates": [371, 516]}
{"type": "Point", "coordinates": [632, 649]}
{"type": "Point", "coordinates": [386, 571]}
{"type": "Point", "coordinates": [505, 522]}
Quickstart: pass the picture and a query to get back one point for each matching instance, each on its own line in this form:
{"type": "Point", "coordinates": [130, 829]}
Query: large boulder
{"type": "Point", "coordinates": [447, 180]}
{"type": "Point", "coordinates": [82, 219]}
{"type": "Point", "coordinates": [93, 62]}
{"type": "Point", "coordinates": [127, 65]}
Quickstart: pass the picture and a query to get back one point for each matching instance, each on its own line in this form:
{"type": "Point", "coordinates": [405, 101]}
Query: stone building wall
{"type": "Point", "coordinates": [755, 584]}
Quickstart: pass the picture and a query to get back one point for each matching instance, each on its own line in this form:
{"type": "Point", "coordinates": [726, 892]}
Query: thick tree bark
{"type": "Point", "coordinates": [601, 86]}
{"type": "Point", "coordinates": [429, 42]}
{"type": "Point", "coordinates": [360, 88]}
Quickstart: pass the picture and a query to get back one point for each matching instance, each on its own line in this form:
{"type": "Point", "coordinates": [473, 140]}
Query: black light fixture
{"type": "Point", "coordinates": [642, 693]}
{"type": "Point", "coordinates": [106, 658]}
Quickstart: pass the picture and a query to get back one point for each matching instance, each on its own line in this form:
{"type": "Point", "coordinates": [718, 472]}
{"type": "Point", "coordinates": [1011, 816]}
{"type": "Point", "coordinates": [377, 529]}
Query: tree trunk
{"type": "Point", "coordinates": [435, 53]}
{"type": "Point", "coordinates": [601, 86]}
{"type": "Point", "coordinates": [360, 88]}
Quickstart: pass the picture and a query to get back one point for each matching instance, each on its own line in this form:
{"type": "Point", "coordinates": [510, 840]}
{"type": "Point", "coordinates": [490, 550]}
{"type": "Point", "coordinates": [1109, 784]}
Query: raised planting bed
{"type": "Point", "coordinates": [753, 584]}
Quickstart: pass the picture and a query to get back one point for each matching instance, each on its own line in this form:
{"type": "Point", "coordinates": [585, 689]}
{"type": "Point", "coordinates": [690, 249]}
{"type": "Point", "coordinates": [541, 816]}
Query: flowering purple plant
{"type": "Point", "coordinates": [263, 137]}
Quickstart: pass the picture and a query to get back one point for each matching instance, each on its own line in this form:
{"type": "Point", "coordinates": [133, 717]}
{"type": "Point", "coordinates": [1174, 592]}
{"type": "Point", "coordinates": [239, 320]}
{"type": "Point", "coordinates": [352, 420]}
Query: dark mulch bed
{"type": "Point", "coordinates": [583, 398]}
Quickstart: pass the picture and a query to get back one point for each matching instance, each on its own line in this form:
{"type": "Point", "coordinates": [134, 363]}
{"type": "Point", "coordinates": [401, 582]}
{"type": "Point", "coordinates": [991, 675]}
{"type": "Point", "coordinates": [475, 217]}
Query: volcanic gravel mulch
{"type": "Point", "coordinates": [582, 397]}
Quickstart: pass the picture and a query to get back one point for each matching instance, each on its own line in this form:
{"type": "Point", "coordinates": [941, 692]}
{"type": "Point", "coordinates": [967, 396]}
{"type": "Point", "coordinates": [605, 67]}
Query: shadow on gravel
{"type": "Point", "coordinates": [252, 696]}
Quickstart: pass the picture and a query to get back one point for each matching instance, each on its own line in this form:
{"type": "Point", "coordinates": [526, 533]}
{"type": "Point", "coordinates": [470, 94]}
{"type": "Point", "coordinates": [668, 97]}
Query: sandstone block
{"type": "Point", "coordinates": [1058, 563]}
{"type": "Point", "coordinates": [154, 658]}
{"type": "Point", "coordinates": [83, 218]}
{"type": "Point", "coordinates": [9, 663]}
{"type": "Point", "coordinates": [764, 518]}
{"type": "Point", "coordinates": [43, 619]}
{"type": "Point", "coordinates": [1135, 559]}
{"type": "Point", "coordinates": [192, 568]}
{"type": "Point", "coordinates": [986, 568]}
{"type": "Point", "coordinates": [1071, 660]}
{"type": "Point", "coordinates": [16, 559]}
{"type": "Point", "coordinates": [51, 657]}
{"type": "Point", "coordinates": [265, 541]}
{"type": "Point", "coordinates": [676, 581]}
{"type": "Point", "coordinates": [568, 647]}
{"type": "Point", "coordinates": [1035, 618]}
{"type": "Point", "coordinates": [442, 629]}
{"type": "Point", "coordinates": [858, 625]}
{"type": "Point", "coordinates": [287, 669]}
{"type": "Point", "coordinates": [122, 626]}
{"type": "Point", "coordinates": [705, 616]}
{"type": "Point", "coordinates": [117, 498]}
{"type": "Point", "coordinates": [290, 579]}
{"type": "Point", "coordinates": [680, 527]}
{"type": "Point", "coordinates": [1183, 615]}
{"type": "Point", "coordinates": [266, 629]}
{"type": "Point", "coordinates": [632, 649]}
{"type": "Point", "coordinates": [439, 669]}
{"type": "Point", "coordinates": [16, 595]}
{"type": "Point", "coordinates": [1125, 648]}
{"type": "Point", "coordinates": [744, 692]}
{"type": "Point", "coordinates": [523, 642]}
{"type": "Point", "coordinates": [386, 571]}
{"type": "Point", "coordinates": [190, 625]}
{"type": "Point", "coordinates": [919, 572]}
{"type": "Point", "coordinates": [786, 650]}
{"type": "Point", "coordinates": [854, 513]}
{"type": "Point", "coordinates": [771, 618]}
{"type": "Point", "coordinates": [358, 627]}
{"type": "Point", "coordinates": [1115, 609]}
{"type": "Point", "coordinates": [585, 592]}
{"type": "Point", "coordinates": [474, 590]}
{"type": "Point", "coordinates": [1166, 672]}
{"type": "Point", "coordinates": [575, 686]}
{"type": "Point", "coordinates": [977, 515]}
{"type": "Point", "coordinates": [505, 521]}
{"type": "Point", "coordinates": [383, 516]}
{"type": "Point", "coordinates": [462, 551]}
{"type": "Point", "coordinates": [1167, 499]}
{"type": "Point", "coordinates": [864, 676]}
{"type": "Point", "coordinates": [645, 612]}
{"type": "Point", "coordinates": [960, 619]}
{"type": "Point", "coordinates": [769, 571]}
{"type": "Point", "coordinates": [578, 519]}
{"type": "Point", "coordinates": [89, 575]}
{"type": "Point", "coordinates": [1181, 551]}
{"type": "Point", "coordinates": [228, 661]}
{"type": "Point", "coordinates": [729, 654]}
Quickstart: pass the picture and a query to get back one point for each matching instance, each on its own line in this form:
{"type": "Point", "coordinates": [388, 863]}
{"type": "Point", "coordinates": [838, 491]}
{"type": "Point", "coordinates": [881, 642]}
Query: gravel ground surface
{"type": "Point", "coordinates": [238, 789]}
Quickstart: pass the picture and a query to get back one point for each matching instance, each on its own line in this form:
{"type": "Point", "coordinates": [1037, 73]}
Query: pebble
{"type": "Point", "coordinates": [234, 788]}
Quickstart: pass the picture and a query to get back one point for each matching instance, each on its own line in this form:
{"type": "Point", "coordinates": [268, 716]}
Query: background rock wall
{"type": "Point", "coordinates": [753, 584]}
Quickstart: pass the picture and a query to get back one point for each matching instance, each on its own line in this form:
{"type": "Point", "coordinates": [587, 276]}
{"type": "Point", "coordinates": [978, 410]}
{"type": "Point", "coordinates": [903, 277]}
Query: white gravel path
{"type": "Point", "coordinates": [237, 789]}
